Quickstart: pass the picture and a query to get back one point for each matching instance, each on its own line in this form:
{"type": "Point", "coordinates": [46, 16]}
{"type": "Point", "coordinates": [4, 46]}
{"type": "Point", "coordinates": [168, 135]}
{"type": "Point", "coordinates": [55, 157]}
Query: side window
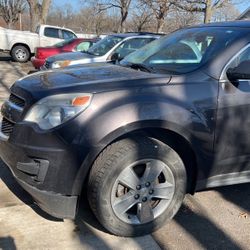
{"type": "Point", "coordinates": [51, 32]}
{"type": "Point", "coordinates": [242, 57]}
{"type": "Point", "coordinates": [66, 34]}
{"type": "Point", "coordinates": [84, 46]}
{"type": "Point", "coordinates": [132, 45]}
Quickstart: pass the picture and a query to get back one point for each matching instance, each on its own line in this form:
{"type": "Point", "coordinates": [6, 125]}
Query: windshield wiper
{"type": "Point", "coordinates": [168, 71]}
{"type": "Point", "coordinates": [141, 66]}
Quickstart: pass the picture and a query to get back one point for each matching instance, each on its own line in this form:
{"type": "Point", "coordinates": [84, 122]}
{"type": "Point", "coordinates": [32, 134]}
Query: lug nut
{"type": "Point", "coordinates": [151, 191]}
{"type": "Point", "coordinates": [147, 184]}
{"type": "Point", "coordinates": [144, 199]}
{"type": "Point", "coordinates": [137, 196]}
{"type": "Point", "coordinates": [138, 187]}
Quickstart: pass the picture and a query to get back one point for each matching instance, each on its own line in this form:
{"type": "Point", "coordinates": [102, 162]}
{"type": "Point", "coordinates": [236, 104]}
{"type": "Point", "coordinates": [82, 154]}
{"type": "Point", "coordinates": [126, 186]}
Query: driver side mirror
{"type": "Point", "coordinates": [241, 72]}
{"type": "Point", "coordinates": [116, 57]}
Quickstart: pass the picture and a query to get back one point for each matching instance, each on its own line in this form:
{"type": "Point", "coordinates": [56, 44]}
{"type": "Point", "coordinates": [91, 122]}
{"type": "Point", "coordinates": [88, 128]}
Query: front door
{"type": "Point", "coordinates": [232, 138]}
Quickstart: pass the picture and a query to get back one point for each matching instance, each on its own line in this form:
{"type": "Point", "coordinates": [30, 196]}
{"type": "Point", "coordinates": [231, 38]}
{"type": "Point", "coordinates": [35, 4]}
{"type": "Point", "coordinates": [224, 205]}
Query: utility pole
{"type": "Point", "coordinates": [20, 21]}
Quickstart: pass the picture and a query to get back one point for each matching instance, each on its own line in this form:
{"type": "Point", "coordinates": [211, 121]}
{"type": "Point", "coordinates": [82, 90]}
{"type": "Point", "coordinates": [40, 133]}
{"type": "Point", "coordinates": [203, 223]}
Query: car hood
{"type": "Point", "coordinates": [92, 78]}
{"type": "Point", "coordinates": [71, 56]}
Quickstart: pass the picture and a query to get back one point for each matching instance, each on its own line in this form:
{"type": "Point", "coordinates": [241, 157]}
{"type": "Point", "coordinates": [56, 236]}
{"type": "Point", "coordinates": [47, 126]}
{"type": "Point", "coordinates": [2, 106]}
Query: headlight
{"type": "Point", "coordinates": [54, 110]}
{"type": "Point", "coordinates": [60, 64]}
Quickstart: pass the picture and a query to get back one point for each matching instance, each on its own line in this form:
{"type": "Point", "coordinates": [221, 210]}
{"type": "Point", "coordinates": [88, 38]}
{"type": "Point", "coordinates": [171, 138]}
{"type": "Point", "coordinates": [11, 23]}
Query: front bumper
{"type": "Point", "coordinates": [37, 63]}
{"type": "Point", "coordinates": [57, 205]}
{"type": "Point", "coordinates": [47, 171]}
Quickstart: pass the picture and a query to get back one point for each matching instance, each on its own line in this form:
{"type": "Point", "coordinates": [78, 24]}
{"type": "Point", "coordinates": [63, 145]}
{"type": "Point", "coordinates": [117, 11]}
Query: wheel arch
{"type": "Point", "coordinates": [21, 44]}
{"type": "Point", "coordinates": [173, 138]}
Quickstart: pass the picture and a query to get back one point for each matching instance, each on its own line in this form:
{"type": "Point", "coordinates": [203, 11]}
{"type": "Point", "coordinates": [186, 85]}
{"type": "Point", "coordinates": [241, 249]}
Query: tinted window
{"type": "Point", "coordinates": [52, 32]}
{"type": "Point", "coordinates": [67, 34]}
{"type": "Point", "coordinates": [243, 56]}
{"type": "Point", "coordinates": [136, 43]}
{"type": "Point", "coordinates": [132, 45]}
{"type": "Point", "coordinates": [184, 50]}
{"type": "Point", "coordinates": [103, 46]}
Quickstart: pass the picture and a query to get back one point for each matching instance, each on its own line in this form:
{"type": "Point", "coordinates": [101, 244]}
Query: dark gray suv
{"type": "Point", "coordinates": [170, 119]}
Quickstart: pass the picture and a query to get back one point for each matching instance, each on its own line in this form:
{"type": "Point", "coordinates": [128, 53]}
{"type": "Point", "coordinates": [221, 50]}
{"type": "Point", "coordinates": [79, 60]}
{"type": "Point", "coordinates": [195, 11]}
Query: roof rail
{"type": "Point", "coordinates": [146, 33]}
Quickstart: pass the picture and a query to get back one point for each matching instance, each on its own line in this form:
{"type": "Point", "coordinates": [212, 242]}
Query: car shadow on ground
{"type": "Point", "coordinates": [20, 193]}
{"type": "Point", "coordinates": [203, 229]}
{"type": "Point", "coordinates": [10, 72]}
{"type": "Point", "coordinates": [5, 58]}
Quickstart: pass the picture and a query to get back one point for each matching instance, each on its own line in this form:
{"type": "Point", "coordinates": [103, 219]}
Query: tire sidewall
{"type": "Point", "coordinates": [13, 54]}
{"type": "Point", "coordinates": [154, 150]}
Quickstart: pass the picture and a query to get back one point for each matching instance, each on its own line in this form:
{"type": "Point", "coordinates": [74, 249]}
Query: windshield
{"type": "Point", "coordinates": [104, 45]}
{"type": "Point", "coordinates": [65, 42]}
{"type": "Point", "coordinates": [183, 51]}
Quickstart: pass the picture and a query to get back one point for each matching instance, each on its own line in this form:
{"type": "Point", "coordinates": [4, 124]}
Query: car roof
{"type": "Point", "coordinates": [86, 39]}
{"type": "Point", "coordinates": [56, 27]}
{"type": "Point", "coordinates": [238, 23]}
{"type": "Point", "coordinates": [136, 34]}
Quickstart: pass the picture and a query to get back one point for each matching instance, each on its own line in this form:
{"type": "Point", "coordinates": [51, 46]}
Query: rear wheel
{"type": "Point", "coordinates": [20, 54]}
{"type": "Point", "coordinates": [136, 185]}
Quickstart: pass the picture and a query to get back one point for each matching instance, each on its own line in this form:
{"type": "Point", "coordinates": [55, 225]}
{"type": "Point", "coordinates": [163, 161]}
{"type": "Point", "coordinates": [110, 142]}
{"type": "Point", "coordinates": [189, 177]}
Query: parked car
{"type": "Point", "coordinates": [172, 118]}
{"type": "Point", "coordinates": [21, 44]}
{"type": "Point", "coordinates": [73, 44]}
{"type": "Point", "coordinates": [111, 48]}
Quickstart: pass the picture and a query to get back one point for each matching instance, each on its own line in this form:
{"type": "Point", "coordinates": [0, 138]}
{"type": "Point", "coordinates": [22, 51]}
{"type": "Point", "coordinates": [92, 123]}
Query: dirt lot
{"type": "Point", "coordinates": [214, 219]}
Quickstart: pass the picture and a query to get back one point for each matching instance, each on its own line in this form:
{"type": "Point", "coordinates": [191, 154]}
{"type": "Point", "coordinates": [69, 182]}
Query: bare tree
{"type": "Point", "coordinates": [178, 19]}
{"type": "Point", "coordinates": [86, 20]}
{"type": "Point", "coordinates": [207, 7]}
{"type": "Point", "coordinates": [38, 12]}
{"type": "Point", "coordinates": [226, 13]}
{"type": "Point", "coordinates": [160, 9]}
{"type": "Point", "coordinates": [142, 16]}
{"type": "Point", "coordinates": [10, 11]}
{"type": "Point", "coordinates": [122, 5]}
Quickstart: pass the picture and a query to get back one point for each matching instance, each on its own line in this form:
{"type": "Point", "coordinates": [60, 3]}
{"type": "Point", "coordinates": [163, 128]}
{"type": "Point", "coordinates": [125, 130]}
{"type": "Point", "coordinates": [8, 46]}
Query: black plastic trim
{"type": "Point", "coordinates": [57, 205]}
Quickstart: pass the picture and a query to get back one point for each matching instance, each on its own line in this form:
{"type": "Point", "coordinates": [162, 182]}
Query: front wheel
{"type": "Point", "coordinates": [136, 185]}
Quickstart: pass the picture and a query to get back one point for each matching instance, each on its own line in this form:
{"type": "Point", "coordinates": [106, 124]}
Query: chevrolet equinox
{"type": "Point", "coordinates": [171, 118]}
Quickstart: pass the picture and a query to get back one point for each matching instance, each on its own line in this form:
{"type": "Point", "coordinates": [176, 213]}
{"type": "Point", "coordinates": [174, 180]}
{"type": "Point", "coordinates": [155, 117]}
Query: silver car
{"type": "Point", "coordinates": [111, 48]}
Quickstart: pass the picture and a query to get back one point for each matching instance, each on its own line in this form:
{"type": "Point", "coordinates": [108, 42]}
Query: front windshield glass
{"type": "Point", "coordinates": [104, 45]}
{"type": "Point", "coordinates": [183, 51]}
{"type": "Point", "coordinates": [65, 42]}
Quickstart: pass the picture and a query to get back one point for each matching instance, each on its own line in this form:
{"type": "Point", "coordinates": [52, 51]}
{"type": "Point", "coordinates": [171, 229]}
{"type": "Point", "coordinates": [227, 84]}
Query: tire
{"type": "Point", "coordinates": [20, 54]}
{"type": "Point", "coordinates": [136, 185]}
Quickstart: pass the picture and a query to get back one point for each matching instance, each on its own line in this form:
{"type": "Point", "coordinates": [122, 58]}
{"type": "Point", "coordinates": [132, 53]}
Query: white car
{"type": "Point", "coordinates": [111, 48]}
{"type": "Point", "coordinates": [21, 44]}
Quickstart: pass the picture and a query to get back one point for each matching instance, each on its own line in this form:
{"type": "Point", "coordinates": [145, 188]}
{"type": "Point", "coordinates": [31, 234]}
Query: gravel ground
{"type": "Point", "coordinates": [213, 219]}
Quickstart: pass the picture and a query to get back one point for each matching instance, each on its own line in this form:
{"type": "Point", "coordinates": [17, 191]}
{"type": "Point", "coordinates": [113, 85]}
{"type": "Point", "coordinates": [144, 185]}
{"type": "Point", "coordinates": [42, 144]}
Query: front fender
{"type": "Point", "coordinates": [125, 114]}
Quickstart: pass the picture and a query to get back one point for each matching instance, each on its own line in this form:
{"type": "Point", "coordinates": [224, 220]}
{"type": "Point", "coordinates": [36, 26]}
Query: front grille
{"type": "Point", "coordinates": [17, 100]}
{"type": "Point", "coordinates": [13, 109]}
{"type": "Point", "coordinates": [7, 127]}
